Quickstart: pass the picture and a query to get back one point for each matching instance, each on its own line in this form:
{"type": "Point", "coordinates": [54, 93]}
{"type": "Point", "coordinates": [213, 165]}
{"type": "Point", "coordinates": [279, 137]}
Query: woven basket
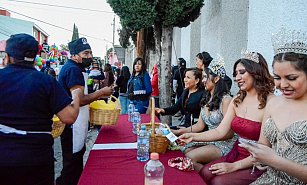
{"type": "Point", "coordinates": [57, 127]}
{"type": "Point", "coordinates": [105, 117]}
{"type": "Point", "coordinates": [157, 143]}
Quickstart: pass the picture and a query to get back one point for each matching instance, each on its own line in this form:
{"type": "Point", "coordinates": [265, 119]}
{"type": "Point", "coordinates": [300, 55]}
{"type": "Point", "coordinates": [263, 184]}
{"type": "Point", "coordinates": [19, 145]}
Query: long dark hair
{"type": "Point", "coordinates": [263, 81]}
{"type": "Point", "coordinates": [143, 69]}
{"type": "Point", "coordinates": [125, 72]}
{"type": "Point", "coordinates": [108, 69]}
{"type": "Point", "coordinates": [298, 61]}
{"type": "Point", "coordinates": [221, 89]}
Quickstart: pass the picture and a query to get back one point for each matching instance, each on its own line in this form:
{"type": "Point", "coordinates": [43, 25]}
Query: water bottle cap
{"type": "Point", "coordinates": [143, 127]}
{"type": "Point", "coordinates": [165, 132]}
{"type": "Point", "coordinates": [154, 156]}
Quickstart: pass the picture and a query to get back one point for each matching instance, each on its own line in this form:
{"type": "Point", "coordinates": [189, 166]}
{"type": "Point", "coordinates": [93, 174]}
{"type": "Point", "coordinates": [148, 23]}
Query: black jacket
{"type": "Point", "coordinates": [189, 106]}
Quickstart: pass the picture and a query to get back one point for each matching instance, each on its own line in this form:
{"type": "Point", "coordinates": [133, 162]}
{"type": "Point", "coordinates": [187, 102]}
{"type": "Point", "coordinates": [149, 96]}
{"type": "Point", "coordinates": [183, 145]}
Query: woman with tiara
{"type": "Point", "coordinates": [214, 107]}
{"type": "Point", "coordinates": [283, 140]}
{"type": "Point", "coordinates": [243, 117]}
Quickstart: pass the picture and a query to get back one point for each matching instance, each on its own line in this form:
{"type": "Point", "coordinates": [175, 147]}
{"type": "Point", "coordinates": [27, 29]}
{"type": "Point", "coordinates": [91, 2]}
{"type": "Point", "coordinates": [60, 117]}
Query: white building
{"type": "Point", "coordinates": [226, 27]}
{"type": "Point", "coordinates": [10, 26]}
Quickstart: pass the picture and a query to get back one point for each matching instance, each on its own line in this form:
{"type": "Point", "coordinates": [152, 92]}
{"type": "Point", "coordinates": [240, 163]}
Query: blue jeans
{"type": "Point", "coordinates": [141, 106]}
{"type": "Point", "coordinates": [124, 102]}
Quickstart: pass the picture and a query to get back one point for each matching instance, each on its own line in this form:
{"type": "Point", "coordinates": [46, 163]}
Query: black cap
{"type": "Point", "coordinates": [22, 47]}
{"type": "Point", "coordinates": [78, 45]}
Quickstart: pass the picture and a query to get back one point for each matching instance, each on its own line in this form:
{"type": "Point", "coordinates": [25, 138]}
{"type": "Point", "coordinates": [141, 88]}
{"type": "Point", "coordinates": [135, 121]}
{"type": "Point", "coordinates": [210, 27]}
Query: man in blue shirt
{"type": "Point", "coordinates": [73, 76]}
{"type": "Point", "coordinates": [29, 99]}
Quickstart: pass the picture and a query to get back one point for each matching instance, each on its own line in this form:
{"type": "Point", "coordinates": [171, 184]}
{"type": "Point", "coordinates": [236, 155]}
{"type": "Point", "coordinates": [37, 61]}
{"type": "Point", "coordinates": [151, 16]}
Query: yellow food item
{"type": "Point", "coordinates": [55, 119]}
{"type": "Point", "coordinates": [101, 104]}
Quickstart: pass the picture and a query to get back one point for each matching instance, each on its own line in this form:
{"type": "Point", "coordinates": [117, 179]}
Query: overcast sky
{"type": "Point", "coordinates": [95, 24]}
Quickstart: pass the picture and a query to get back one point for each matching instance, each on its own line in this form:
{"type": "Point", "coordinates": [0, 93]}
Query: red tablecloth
{"type": "Point", "coordinates": [120, 167]}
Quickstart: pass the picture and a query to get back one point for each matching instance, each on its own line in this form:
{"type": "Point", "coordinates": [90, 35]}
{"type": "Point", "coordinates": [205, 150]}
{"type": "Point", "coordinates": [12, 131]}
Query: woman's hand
{"type": "Point", "coordinates": [176, 132]}
{"type": "Point", "coordinates": [185, 138]}
{"type": "Point", "coordinates": [223, 168]}
{"type": "Point", "coordinates": [159, 111]}
{"type": "Point", "coordinates": [260, 153]}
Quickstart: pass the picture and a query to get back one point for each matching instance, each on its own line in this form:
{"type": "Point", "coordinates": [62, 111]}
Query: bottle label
{"type": "Point", "coordinates": [149, 181]}
{"type": "Point", "coordinates": [171, 137]}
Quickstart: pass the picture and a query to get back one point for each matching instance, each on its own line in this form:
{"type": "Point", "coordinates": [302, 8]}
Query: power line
{"type": "Point", "coordinates": [54, 25]}
{"type": "Point", "coordinates": [59, 6]}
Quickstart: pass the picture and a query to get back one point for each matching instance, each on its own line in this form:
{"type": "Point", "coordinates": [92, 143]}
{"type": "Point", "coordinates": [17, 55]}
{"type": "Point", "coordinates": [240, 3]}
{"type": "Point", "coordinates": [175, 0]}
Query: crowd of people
{"type": "Point", "coordinates": [252, 137]}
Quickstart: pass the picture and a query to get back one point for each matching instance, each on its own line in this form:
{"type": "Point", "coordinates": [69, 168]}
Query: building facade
{"type": "Point", "coordinates": [226, 27]}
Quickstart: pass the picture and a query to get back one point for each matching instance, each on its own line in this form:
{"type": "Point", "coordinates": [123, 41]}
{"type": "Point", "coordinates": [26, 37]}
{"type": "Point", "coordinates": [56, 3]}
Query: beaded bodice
{"type": "Point", "coordinates": [213, 118]}
{"type": "Point", "coordinates": [290, 144]}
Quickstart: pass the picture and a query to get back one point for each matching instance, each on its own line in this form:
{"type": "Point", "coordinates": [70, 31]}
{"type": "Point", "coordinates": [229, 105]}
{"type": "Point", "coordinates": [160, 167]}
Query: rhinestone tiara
{"type": "Point", "coordinates": [253, 56]}
{"type": "Point", "coordinates": [289, 41]}
{"type": "Point", "coordinates": [218, 66]}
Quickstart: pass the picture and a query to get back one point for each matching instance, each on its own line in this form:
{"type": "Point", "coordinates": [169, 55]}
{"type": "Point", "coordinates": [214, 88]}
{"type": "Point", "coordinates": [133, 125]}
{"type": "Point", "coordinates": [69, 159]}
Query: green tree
{"type": "Point", "coordinates": [162, 16]}
{"type": "Point", "coordinates": [75, 34]}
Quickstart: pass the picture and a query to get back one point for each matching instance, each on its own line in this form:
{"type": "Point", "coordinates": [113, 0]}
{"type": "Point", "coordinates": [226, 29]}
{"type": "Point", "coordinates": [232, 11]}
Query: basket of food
{"type": "Point", "coordinates": [105, 113]}
{"type": "Point", "coordinates": [158, 142]}
{"type": "Point", "coordinates": [57, 127]}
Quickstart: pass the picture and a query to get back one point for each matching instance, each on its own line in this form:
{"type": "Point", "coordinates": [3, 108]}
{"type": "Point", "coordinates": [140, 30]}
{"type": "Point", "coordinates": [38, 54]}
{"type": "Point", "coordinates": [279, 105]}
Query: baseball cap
{"type": "Point", "coordinates": [22, 47]}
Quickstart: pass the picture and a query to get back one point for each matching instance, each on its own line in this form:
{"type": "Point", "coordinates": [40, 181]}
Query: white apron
{"type": "Point", "coordinates": [80, 127]}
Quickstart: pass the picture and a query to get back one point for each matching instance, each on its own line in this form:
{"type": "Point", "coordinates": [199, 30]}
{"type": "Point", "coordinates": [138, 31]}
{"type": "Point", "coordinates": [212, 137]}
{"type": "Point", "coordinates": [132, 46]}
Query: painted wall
{"type": "Point", "coordinates": [227, 27]}
{"type": "Point", "coordinates": [10, 26]}
{"type": "Point", "coordinates": [224, 30]}
{"type": "Point", "coordinates": [267, 17]}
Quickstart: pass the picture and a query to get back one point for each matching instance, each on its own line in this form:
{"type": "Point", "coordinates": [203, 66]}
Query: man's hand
{"type": "Point", "coordinates": [76, 93]}
{"type": "Point", "coordinates": [106, 91]}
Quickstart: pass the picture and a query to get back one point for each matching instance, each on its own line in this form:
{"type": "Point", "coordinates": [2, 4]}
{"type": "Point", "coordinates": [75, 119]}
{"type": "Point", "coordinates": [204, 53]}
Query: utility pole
{"type": "Point", "coordinates": [113, 49]}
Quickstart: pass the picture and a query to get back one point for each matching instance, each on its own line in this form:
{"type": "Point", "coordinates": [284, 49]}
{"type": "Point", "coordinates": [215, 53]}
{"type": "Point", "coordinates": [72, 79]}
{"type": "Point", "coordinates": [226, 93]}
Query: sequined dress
{"type": "Point", "coordinates": [290, 144]}
{"type": "Point", "coordinates": [213, 120]}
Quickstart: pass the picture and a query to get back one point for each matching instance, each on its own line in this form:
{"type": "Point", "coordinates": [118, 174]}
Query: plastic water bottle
{"type": "Point", "coordinates": [131, 110]}
{"type": "Point", "coordinates": [136, 121]}
{"type": "Point", "coordinates": [154, 170]}
{"type": "Point", "coordinates": [143, 144]}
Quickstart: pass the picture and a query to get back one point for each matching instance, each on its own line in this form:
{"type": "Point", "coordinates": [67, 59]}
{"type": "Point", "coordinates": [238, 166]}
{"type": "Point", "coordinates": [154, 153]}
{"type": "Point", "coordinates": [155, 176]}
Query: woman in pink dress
{"type": "Point", "coordinates": [243, 117]}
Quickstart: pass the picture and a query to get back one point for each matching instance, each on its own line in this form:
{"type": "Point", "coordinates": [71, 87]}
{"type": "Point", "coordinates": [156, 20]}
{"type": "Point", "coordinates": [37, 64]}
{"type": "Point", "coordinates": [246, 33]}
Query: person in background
{"type": "Point", "coordinates": [29, 99]}
{"type": "Point", "coordinates": [121, 84]}
{"type": "Point", "coordinates": [116, 88]}
{"type": "Point", "coordinates": [47, 69]}
{"type": "Point", "coordinates": [71, 77]}
{"type": "Point", "coordinates": [2, 53]}
{"type": "Point", "coordinates": [178, 82]}
{"type": "Point", "coordinates": [95, 77]}
{"type": "Point", "coordinates": [155, 84]}
{"type": "Point", "coordinates": [283, 139]}
{"type": "Point", "coordinates": [45, 46]}
{"type": "Point", "coordinates": [243, 117]}
{"type": "Point", "coordinates": [189, 101]}
{"type": "Point", "coordinates": [139, 86]}
{"type": "Point", "coordinates": [214, 107]}
{"type": "Point", "coordinates": [109, 76]}
{"type": "Point", "coordinates": [174, 69]}
{"type": "Point", "coordinates": [203, 60]}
